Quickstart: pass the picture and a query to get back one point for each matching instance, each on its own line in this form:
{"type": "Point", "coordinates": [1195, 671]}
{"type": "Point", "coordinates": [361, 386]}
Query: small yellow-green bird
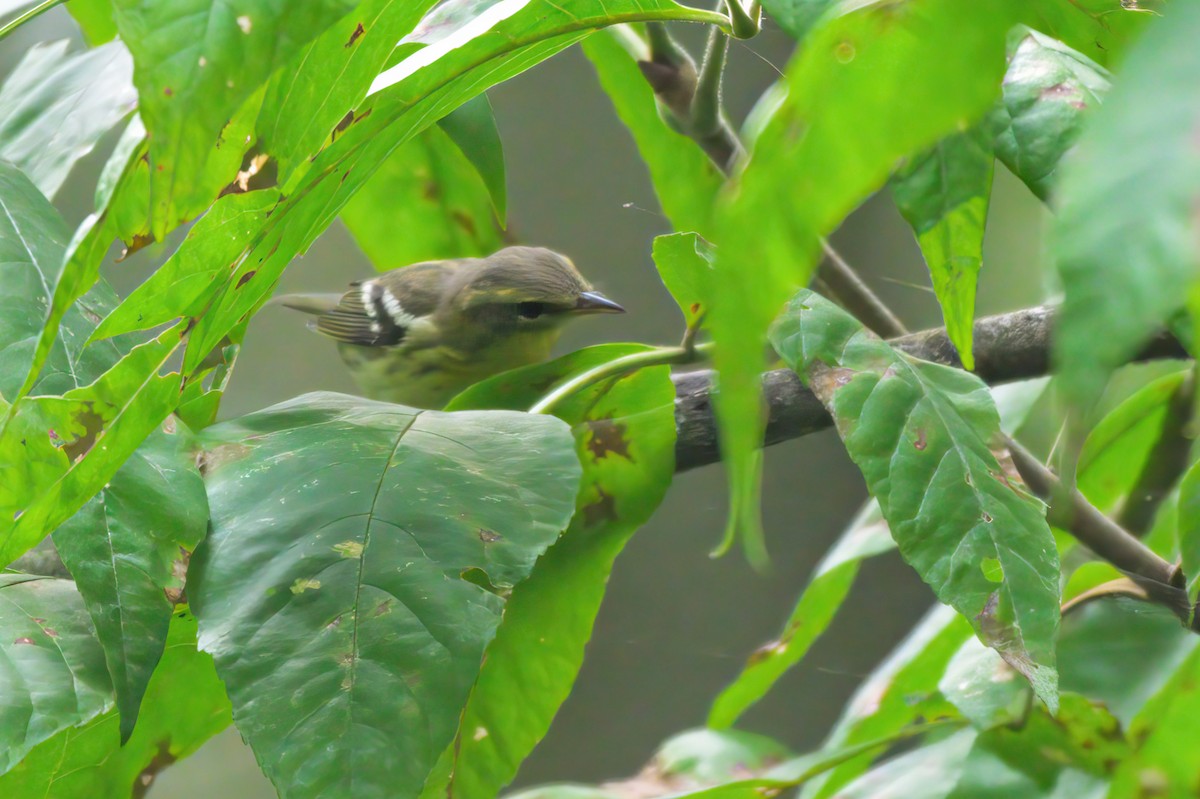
{"type": "Point", "coordinates": [420, 334]}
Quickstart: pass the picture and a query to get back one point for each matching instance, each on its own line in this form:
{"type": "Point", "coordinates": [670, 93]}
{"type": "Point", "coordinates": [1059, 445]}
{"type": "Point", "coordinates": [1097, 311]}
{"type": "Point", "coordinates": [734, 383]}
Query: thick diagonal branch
{"type": "Point", "coordinates": [1012, 346]}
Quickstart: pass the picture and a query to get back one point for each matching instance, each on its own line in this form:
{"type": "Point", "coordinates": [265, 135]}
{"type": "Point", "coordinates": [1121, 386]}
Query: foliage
{"type": "Point", "coordinates": [393, 601]}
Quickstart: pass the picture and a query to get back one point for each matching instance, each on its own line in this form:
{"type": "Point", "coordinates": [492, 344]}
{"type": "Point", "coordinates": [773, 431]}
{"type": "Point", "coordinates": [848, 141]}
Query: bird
{"type": "Point", "coordinates": [421, 334]}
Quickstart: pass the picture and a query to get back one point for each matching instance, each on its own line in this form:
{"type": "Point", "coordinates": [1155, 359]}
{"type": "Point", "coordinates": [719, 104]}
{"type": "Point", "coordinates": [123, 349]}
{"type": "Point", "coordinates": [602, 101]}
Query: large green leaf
{"type": "Point", "coordinates": [625, 439]}
{"type": "Point", "coordinates": [348, 617]}
{"type": "Point", "coordinates": [1047, 91]}
{"type": "Point", "coordinates": [127, 550]}
{"type": "Point", "coordinates": [185, 706]}
{"type": "Point", "coordinates": [1164, 761]}
{"type": "Point", "coordinates": [95, 18]}
{"type": "Point", "coordinates": [54, 107]}
{"type": "Point", "coordinates": [684, 178]}
{"type": "Point", "coordinates": [1126, 242]}
{"type": "Point", "coordinates": [52, 673]}
{"type": "Point", "coordinates": [428, 189]}
{"type": "Point", "coordinates": [196, 62]}
{"type": "Point", "coordinates": [32, 241]}
{"type": "Point", "coordinates": [315, 94]}
{"type": "Point", "coordinates": [923, 436]}
{"type": "Point", "coordinates": [944, 194]}
{"type": "Point", "coordinates": [834, 139]}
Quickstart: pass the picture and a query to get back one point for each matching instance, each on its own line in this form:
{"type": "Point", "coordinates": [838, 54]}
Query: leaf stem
{"type": "Point", "coordinates": [689, 352]}
{"type": "Point", "coordinates": [27, 15]}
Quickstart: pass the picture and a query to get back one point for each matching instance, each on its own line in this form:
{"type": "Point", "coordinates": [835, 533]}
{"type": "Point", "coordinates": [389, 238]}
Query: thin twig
{"type": "Point", "coordinates": [29, 14]}
{"type": "Point", "coordinates": [857, 297]}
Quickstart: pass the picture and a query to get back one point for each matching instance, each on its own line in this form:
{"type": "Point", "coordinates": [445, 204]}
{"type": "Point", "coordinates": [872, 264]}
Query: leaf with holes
{"type": "Point", "coordinates": [927, 439]}
{"type": "Point", "coordinates": [1125, 240]}
{"type": "Point", "coordinates": [55, 106]}
{"type": "Point", "coordinates": [943, 193]}
{"type": "Point", "coordinates": [52, 673]}
{"type": "Point", "coordinates": [348, 615]}
{"type": "Point", "coordinates": [625, 438]}
{"type": "Point", "coordinates": [127, 549]}
{"type": "Point", "coordinates": [196, 63]}
{"type": "Point", "coordinates": [1048, 91]}
{"type": "Point", "coordinates": [185, 706]}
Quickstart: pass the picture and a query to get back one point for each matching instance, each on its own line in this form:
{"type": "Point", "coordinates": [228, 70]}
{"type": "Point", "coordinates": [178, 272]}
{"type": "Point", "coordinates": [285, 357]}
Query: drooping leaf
{"type": "Point", "coordinates": [1048, 90]}
{"type": "Point", "coordinates": [185, 706]}
{"type": "Point", "coordinates": [310, 99]}
{"type": "Point", "coordinates": [926, 438]}
{"type": "Point", "coordinates": [428, 189]}
{"type": "Point", "coordinates": [944, 194]}
{"type": "Point", "coordinates": [1164, 759]}
{"type": "Point", "coordinates": [348, 618]}
{"type": "Point", "coordinates": [52, 673]}
{"type": "Point", "coordinates": [625, 439]}
{"type": "Point", "coordinates": [685, 179]}
{"type": "Point", "coordinates": [834, 139]}
{"type": "Point", "coordinates": [472, 128]}
{"type": "Point", "coordinates": [867, 536]}
{"type": "Point", "coordinates": [32, 241]}
{"type": "Point", "coordinates": [1125, 240]}
{"type": "Point", "coordinates": [55, 106]}
{"type": "Point", "coordinates": [127, 549]}
{"type": "Point", "coordinates": [196, 63]}
{"type": "Point", "coordinates": [684, 262]}
{"type": "Point", "coordinates": [1100, 29]}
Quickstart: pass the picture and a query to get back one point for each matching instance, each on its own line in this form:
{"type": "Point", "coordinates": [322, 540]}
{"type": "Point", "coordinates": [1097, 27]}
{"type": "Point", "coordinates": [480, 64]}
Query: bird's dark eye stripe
{"type": "Point", "coordinates": [531, 310]}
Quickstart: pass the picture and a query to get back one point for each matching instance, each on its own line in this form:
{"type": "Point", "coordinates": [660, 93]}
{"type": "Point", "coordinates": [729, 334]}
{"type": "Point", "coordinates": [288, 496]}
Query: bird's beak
{"type": "Point", "coordinates": [595, 302]}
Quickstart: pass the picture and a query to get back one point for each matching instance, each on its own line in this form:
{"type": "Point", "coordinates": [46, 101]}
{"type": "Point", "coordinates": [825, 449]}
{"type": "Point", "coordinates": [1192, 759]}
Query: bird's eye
{"type": "Point", "coordinates": [531, 310]}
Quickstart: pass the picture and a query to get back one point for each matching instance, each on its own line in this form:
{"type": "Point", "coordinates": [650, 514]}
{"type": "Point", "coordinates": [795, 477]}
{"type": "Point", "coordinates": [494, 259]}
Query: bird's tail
{"type": "Point", "coordinates": [315, 304]}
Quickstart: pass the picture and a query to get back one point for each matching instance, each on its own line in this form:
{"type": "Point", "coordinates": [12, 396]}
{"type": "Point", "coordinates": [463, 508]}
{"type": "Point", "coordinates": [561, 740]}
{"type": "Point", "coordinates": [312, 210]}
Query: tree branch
{"type": "Point", "coordinates": [1008, 347]}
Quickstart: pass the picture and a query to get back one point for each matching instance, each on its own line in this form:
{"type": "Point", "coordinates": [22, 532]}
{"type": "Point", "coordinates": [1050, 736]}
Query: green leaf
{"type": "Point", "coordinates": [835, 139]}
{"type": "Point", "coordinates": [684, 178]}
{"type": "Point", "coordinates": [1100, 29]}
{"type": "Point", "coordinates": [866, 537]}
{"type": "Point", "coordinates": [52, 673]}
{"type": "Point", "coordinates": [1047, 93]}
{"type": "Point", "coordinates": [185, 706]}
{"type": "Point", "coordinates": [127, 550]}
{"type": "Point", "coordinates": [1118, 447]}
{"type": "Point", "coordinates": [685, 264]}
{"type": "Point", "coordinates": [625, 438]}
{"type": "Point", "coordinates": [1125, 241]}
{"type": "Point", "coordinates": [315, 94]}
{"type": "Point", "coordinates": [95, 18]}
{"type": "Point", "coordinates": [348, 619]}
{"type": "Point", "coordinates": [797, 17]}
{"type": "Point", "coordinates": [1098, 653]}
{"type": "Point", "coordinates": [1164, 760]}
{"type": "Point", "coordinates": [54, 107]}
{"type": "Point", "coordinates": [983, 687]}
{"type": "Point", "coordinates": [944, 194]}
{"type": "Point", "coordinates": [32, 241]}
{"type": "Point", "coordinates": [196, 62]}
{"type": "Point", "coordinates": [1188, 530]}
{"type": "Point", "coordinates": [59, 451]}
{"type": "Point", "coordinates": [428, 189]}
{"type": "Point", "coordinates": [472, 128]}
{"type": "Point", "coordinates": [922, 434]}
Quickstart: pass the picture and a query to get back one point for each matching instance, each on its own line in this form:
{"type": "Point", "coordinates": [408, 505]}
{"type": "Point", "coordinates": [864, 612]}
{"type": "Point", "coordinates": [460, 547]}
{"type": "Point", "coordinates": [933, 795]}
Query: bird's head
{"type": "Point", "coordinates": [527, 288]}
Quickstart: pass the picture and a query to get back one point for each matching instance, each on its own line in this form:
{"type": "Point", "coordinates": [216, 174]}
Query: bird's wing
{"type": "Point", "coordinates": [380, 311]}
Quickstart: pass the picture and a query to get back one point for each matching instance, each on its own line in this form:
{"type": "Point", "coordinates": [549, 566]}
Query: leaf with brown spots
{"type": "Point", "coordinates": [948, 527]}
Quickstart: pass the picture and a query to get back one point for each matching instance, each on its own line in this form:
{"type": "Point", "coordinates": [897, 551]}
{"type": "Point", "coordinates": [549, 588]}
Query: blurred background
{"type": "Point", "coordinates": [676, 625]}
